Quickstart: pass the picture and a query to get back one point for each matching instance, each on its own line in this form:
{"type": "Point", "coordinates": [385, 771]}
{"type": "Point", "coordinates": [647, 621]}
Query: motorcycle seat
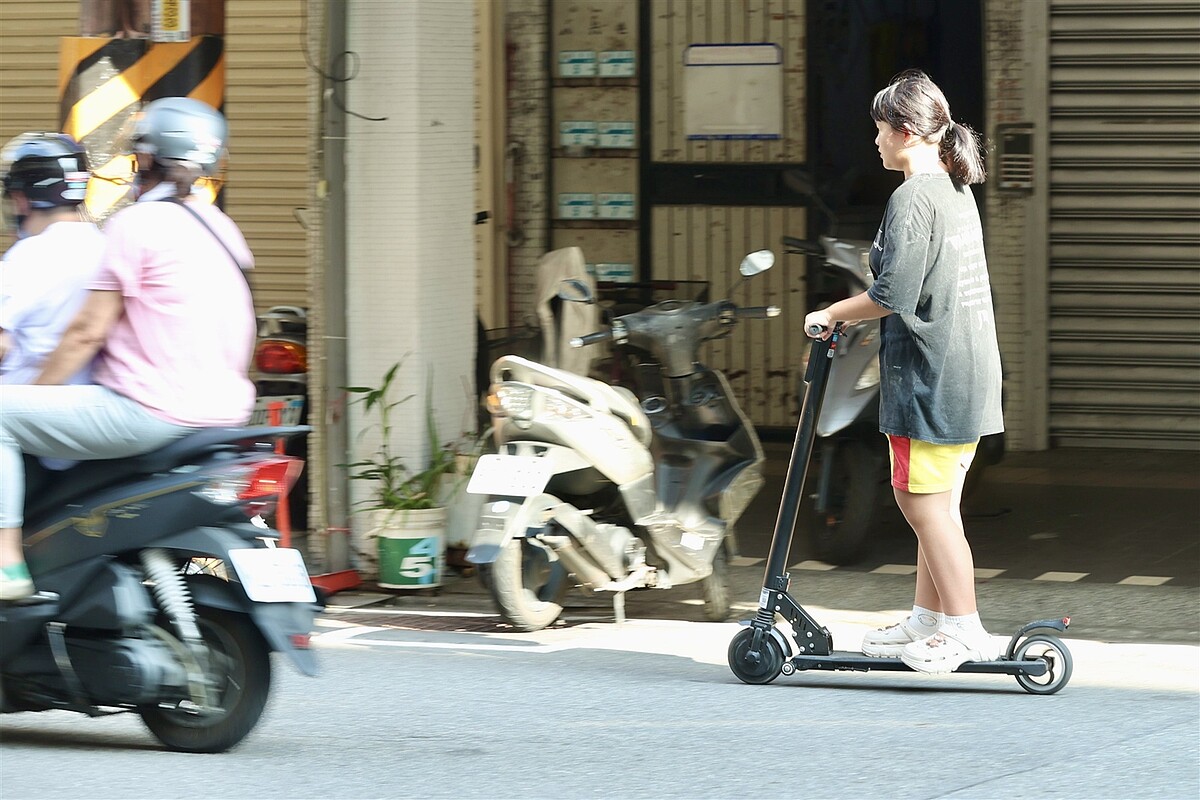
{"type": "Point", "coordinates": [46, 489]}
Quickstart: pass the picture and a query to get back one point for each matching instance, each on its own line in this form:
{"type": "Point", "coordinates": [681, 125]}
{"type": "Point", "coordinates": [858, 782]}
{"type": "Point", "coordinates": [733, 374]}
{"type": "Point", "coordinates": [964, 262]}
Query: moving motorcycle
{"type": "Point", "coordinates": [620, 491]}
{"type": "Point", "coordinates": [161, 590]}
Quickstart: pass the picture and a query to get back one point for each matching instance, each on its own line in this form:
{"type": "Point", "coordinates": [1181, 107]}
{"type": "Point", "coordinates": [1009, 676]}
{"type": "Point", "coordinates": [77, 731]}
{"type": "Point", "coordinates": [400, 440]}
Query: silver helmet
{"type": "Point", "coordinates": [182, 130]}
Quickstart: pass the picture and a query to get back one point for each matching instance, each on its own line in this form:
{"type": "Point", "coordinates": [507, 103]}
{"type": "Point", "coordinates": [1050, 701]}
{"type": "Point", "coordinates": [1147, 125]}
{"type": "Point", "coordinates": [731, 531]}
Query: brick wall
{"type": "Point", "coordinates": [1017, 281]}
{"type": "Point", "coordinates": [528, 106]}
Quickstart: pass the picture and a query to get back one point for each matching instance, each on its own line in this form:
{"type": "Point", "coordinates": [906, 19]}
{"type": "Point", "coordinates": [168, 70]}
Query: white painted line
{"type": "Point", "coordinates": [745, 561]}
{"type": "Point", "coordinates": [895, 569]}
{"type": "Point", "coordinates": [816, 566]}
{"type": "Point", "coordinates": [1061, 577]}
{"type": "Point", "coordinates": [1143, 580]}
{"type": "Point", "coordinates": [984, 573]}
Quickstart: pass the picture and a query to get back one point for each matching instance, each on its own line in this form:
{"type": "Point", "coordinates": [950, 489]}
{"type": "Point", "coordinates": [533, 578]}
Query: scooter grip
{"type": "Point", "coordinates": [815, 330]}
{"type": "Point", "coordinates": [591, 338]}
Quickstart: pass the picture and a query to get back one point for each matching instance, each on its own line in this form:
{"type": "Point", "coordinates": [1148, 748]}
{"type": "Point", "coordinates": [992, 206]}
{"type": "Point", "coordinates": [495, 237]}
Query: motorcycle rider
{"type": "Point", "coordinates": [169, 320]}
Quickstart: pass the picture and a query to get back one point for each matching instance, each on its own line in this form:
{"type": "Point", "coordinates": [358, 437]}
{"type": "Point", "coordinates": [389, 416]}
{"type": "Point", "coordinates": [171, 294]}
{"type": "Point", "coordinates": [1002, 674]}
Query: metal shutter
{"type": "Point", "coordinates": [1124, 226]}
{"type": "Point", "coordinates": [266, 99]}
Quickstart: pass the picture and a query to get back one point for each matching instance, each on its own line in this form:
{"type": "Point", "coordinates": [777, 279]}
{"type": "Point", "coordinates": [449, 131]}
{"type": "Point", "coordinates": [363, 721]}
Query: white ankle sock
{"type": "Point", "coordinates": [969, 624]}
{"type": "Point", "coordinates": [924, 621]}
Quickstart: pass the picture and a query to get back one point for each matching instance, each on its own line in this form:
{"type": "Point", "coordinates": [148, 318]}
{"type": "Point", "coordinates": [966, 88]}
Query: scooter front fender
{"type": "Point", "coordinates": [503, 519]}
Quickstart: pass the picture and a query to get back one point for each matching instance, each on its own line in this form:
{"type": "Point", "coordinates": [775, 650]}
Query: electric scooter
{"type": "Point", "coordinates": [760, 652]}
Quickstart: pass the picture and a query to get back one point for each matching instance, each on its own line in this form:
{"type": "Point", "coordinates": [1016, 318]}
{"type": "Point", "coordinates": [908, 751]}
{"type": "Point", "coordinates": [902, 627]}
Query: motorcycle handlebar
{"type": "Point", "coordinates": [591, 338]}
{"type": "Point", "coordinates": [758, 312]}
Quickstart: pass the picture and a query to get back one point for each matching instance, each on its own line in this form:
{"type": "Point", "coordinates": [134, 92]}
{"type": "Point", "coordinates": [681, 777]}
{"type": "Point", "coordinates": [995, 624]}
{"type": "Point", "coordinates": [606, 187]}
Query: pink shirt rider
{"type": "Point", "coordinates": [183, 346]}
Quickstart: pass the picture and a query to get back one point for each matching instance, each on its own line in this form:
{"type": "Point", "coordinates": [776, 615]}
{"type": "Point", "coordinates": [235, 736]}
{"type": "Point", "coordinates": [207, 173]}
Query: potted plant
{"type": "Point", "coordinates": [406, 510]}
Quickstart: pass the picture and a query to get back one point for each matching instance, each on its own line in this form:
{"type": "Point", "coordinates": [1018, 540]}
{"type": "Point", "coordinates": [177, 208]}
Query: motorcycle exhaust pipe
{"type": "Point", "coordinates": [583, 568]}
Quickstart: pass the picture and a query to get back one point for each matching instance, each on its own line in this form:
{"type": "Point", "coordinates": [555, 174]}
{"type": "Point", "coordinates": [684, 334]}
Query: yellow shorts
{"type": "Point", "coordinates": [925, 468]}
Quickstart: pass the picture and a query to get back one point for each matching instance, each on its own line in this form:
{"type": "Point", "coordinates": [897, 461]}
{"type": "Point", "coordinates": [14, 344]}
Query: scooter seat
{"type": "Point", "coordinates": [46, 489]}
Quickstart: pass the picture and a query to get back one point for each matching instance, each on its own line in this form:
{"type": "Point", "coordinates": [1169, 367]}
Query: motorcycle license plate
{"type": "Point", "coordinates": [273, 575]}
{"type": "Point", "coordinates": [289, 413]}
{"type": "Point", "coordinates": [518, 476]}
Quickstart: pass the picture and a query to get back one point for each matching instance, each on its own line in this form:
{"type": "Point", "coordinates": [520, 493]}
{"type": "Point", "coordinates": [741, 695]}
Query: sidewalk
{"type": "Point", "coordinates": [1104, 513]}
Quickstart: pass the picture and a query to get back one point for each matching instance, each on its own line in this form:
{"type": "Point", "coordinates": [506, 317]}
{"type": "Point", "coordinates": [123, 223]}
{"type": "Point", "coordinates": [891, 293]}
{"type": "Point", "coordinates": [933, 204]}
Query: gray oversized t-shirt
{"type": "Point", "coordinates": [939, 364]}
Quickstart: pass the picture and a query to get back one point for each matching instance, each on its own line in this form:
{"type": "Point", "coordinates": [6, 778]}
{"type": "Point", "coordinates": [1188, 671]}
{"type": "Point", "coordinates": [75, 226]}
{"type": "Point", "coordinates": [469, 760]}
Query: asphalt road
{"type": "Point", "coordinates": [644, 709]}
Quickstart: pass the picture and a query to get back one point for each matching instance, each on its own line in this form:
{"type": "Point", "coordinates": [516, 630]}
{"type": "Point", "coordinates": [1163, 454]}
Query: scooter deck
{"type": "Point", "coordinates": [844, 660]}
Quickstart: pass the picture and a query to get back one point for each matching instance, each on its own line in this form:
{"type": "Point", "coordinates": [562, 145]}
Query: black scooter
{"type": "Point", "coordinates": [760, 652]}
{"type": "Point", "coordinates": [161, 591]}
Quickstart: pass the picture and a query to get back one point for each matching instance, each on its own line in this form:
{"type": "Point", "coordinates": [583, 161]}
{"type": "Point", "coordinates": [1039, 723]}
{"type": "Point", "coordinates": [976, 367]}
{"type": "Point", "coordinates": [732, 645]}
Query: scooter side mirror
{"type": "Point", "coordinates": [756, 262]}
{"type": "Point", "coordinates": [574, 290]}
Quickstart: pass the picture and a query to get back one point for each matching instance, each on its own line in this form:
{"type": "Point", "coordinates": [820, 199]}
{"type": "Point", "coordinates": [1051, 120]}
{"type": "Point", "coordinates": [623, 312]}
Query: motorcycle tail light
{"type": "Point", "coordinates": [276, 357]}
{"type": "Point", "coordinates": [256, 486]}
{"type": "Point", "coordinates": [511, 400]}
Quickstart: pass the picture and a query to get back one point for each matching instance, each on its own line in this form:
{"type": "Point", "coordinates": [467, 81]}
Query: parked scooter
{"type": "Point", "coordinates": [620, 491]}
{"type": "Point", "coordinates": [853, 472]}
{"type": "Point", "coordinates": [280, 374]}
{"type": "Point", "coordinates": [161, 591]}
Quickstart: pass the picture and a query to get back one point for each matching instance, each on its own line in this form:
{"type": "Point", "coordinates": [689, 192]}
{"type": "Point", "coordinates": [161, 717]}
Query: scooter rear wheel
{"type": "Point", "coordinates": [763, 670]}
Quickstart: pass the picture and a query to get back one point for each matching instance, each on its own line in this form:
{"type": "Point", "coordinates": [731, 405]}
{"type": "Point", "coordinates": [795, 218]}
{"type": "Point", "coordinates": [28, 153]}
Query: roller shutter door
{"type": "Point", "coordinates": [266, 98]}
{"type": "Point", "coordinates": [1124, 227]}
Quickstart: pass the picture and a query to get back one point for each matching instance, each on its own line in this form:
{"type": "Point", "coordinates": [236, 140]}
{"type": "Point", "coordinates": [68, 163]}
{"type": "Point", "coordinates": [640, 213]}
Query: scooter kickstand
{"type": "Point", "coordinates": [619, 607]}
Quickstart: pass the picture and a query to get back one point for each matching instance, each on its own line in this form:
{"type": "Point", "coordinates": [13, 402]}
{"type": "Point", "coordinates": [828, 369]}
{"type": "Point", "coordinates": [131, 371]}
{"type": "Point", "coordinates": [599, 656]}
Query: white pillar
{"type": "Point", "coordinates": [410, 268]}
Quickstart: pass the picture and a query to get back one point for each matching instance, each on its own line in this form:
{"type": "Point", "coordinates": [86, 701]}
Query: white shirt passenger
{"type": "Point", "coordinates": [43, 282]}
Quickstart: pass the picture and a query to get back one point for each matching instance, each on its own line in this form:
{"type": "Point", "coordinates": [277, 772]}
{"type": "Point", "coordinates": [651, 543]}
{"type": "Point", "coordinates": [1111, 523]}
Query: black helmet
{"type": "Point", "coordinates": [184, 131]}
{"type": "Point", "coordinates": [51, 169]}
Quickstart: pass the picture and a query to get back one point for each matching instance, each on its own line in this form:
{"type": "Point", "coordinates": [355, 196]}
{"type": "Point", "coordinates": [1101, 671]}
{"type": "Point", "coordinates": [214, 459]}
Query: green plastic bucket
{"type": "Point", "coordinates": [412, 549]}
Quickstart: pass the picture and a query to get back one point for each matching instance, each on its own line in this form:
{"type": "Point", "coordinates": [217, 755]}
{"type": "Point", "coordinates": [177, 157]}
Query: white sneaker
{"type": "Point", "coordinates": [890, 641]}
{"type": "Point", "coordinates": [947, 650]}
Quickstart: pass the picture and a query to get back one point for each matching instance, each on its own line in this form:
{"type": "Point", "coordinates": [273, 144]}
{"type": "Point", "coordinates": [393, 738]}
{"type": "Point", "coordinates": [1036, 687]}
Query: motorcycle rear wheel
{"type": "Point", "coordinates": [842, 534]}
{"type": "Point", "coordinates": [240, 672]}
{"type": "Point", "coordinates": [526, 584]}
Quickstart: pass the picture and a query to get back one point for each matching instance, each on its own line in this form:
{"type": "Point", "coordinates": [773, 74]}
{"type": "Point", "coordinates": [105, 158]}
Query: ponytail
{"type": "Point", "coordinates": [962, 152]}
{"type": "Point", "coordinates": [913, 103]}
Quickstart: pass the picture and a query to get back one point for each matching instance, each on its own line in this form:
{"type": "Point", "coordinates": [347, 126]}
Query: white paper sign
{"type": "Point", "coordinates": [576, 205]}
{"type": "Point", "coordinates": [575, 133]}
{"type": "Point", "coordinates": [615, 134]}
{"type": "Point", "coordinates": [577, 63]}
{"type": "Point", "coordinates": [171, 21]}
{"type": "Point", "coordinates": [617, 64]}
{"type": "Point", "coordinates": [733, 91]}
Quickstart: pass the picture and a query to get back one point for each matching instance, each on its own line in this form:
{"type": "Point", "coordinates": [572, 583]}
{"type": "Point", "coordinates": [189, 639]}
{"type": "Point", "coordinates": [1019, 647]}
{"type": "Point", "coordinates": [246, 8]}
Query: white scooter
{"type": "Point", "coordinates": [619, 491]}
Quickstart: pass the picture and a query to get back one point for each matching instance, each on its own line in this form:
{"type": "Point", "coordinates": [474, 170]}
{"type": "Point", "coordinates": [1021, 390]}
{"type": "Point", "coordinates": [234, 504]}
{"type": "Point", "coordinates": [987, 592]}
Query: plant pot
{"type": "Point", "coordinates": [410, 547]}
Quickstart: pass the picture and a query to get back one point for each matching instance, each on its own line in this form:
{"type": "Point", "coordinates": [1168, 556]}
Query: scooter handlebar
{"type": "Point", "coordinates": [815, 330]}
{"type": "Point", "coordinates": [591, 338]}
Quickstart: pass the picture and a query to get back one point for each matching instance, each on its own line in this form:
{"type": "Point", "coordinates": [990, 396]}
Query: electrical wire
{"type": "Point", "coordinates": [347, 55]}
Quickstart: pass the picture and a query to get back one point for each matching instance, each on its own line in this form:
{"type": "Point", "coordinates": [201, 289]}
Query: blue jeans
{"type": "Point", "coordinates": [69, 422]}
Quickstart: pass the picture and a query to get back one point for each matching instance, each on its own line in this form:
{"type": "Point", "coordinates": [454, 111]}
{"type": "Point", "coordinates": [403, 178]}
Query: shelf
{"type": "Point", "coordinates": [594, 81]}
{"type": "Point", "coordinates": [609, 224]}
{"type": "Point", "coordinates": [584, 151]}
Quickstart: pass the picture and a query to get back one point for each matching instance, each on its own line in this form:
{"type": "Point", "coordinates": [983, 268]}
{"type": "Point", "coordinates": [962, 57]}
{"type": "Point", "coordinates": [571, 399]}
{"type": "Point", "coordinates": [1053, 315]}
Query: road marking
{"type": "Point", "coordinates": [983, 573]}
{"type": "Point", "coordinates": [1061, 577]}
{"type": "Point", "coordinates": [817, 566]}
{"type": "Point", "coordinates": [896, 569]}
{"type": "Point", "coordinates": [1143, 580]}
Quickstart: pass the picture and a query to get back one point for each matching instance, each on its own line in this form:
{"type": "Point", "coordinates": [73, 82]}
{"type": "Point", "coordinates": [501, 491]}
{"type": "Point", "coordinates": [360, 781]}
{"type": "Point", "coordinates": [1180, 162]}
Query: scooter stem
{"type": "Point", "coordinates": [820, 361]}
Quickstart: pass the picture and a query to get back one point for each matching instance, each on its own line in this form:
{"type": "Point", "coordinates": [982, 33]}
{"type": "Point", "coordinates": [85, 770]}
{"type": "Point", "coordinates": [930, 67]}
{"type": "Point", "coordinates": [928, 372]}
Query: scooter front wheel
{"type": "Point", "coordinates": [762, 668]}
{"type": "Point", "coordinates": [526, 584]}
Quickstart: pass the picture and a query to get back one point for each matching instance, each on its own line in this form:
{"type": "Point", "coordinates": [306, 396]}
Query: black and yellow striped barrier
{"type": "Point", "coordinates": [102, 82]}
